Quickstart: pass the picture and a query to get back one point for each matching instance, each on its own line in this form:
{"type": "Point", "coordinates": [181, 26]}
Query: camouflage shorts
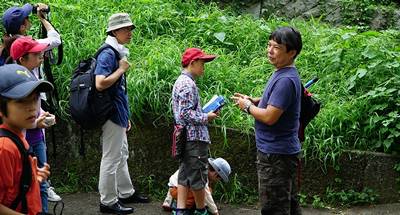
{"type": "Point", "coordinates": [277, 184]}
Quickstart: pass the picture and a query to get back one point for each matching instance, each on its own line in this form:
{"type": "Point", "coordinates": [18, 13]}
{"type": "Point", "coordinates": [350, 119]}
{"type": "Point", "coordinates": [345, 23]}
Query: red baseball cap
{"type": "Point", "coordinates": [25, 45]}
{"type": "Point", "coordinates": [192, 54]}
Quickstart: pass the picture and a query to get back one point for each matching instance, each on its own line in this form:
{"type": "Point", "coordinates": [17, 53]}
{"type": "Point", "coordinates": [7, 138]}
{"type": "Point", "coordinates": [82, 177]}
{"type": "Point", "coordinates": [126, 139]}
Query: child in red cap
{"type": "Point", "coordinates": [188, 113]}
{"type": "Point", "coordinates": [29, 53]}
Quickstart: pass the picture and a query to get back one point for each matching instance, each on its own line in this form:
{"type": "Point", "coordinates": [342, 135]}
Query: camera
{"type": "Point", "coordinates": [50, 120]}
{"type": "Point", "coordinates": [35, 9]}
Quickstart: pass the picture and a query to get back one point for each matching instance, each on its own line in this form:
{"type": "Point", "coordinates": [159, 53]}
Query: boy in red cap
{"type": "Point", "coordinates": [29, 53]}
{"type": "Point", "coordinates": [188, 113]}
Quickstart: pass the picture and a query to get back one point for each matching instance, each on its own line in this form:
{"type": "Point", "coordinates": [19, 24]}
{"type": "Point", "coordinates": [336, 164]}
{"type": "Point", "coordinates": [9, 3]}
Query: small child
{"type": "Point", "coordinates": [29, 53]}
{"type": "Point", "coordinates": [218, 169]}
{"type": "Point", "coordinates": [19, 106]}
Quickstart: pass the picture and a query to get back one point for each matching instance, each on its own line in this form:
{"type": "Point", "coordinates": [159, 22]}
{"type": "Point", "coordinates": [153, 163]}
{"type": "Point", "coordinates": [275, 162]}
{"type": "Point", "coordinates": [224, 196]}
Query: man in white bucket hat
{"type": "Point", "coordinates": [218, 169]}
{"type": "Point", "coordinates": [115, 185]}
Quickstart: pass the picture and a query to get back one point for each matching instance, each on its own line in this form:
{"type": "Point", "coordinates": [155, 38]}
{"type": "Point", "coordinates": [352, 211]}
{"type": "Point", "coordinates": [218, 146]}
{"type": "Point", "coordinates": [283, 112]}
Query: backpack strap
{"type": "Point", "coordinates": [117, 56]}
{"type": "Point", "coordinates": [107, 46]}
{"type": "Point", "coordinates": [26, 176]}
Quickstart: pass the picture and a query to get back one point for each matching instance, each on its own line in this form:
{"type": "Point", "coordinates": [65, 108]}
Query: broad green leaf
{"type": "Point", "coordinates": [220, 36]}
{"type": "Point", "coordinates": [361, 72]}
{"type": "Point", "coordinates": [348, 35]}
{"type": "Point", "coordinates": [392, 65]}
{"type": "Point", "coordinates": [369, 53]}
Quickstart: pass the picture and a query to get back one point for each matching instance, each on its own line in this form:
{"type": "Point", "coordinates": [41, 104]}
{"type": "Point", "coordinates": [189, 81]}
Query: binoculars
{"type": "Point", "coordinates": [35, 9]}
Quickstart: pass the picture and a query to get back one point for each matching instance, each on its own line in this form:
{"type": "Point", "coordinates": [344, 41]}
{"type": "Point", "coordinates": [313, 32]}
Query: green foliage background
{"type": "Point", "coordinates": [359, 71]}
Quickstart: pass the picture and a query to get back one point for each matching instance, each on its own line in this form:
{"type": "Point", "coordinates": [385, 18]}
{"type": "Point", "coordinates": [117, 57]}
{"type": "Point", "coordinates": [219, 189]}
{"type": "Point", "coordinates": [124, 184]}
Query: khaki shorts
{"type": "Point", "coordinates": [193, 168]}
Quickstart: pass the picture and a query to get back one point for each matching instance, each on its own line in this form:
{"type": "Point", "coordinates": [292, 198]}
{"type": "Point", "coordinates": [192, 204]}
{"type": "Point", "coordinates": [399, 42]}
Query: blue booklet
{"type": "Point", "coordinates": [215, 103]}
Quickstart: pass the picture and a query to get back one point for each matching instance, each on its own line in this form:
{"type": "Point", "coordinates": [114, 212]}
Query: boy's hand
{"type": "Point", "coordinates": [40, 121]}
{"type": "Point", "coordinates": [211, 116]}
{"type": "Point", "coordinates": [41, 173]}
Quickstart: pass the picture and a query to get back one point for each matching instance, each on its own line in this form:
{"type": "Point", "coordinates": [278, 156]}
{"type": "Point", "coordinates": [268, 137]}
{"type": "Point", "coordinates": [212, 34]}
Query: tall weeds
{"type": "Point", "coordinates": [359, 71]}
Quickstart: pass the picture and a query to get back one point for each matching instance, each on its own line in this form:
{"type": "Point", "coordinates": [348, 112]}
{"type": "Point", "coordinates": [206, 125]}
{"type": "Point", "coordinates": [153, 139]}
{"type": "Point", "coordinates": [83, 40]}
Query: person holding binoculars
{"type": "Point", "coordinates": [16, 23]}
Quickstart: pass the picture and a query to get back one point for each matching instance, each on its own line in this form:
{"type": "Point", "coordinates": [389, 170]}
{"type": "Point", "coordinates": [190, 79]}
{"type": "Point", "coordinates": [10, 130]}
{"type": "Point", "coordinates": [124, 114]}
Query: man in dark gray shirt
{"type": "Point", "coordinates": [276, 116]}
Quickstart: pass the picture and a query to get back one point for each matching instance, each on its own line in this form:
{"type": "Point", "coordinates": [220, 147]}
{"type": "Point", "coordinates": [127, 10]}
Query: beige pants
{"type": "Point", "coordinates": [114, 178]}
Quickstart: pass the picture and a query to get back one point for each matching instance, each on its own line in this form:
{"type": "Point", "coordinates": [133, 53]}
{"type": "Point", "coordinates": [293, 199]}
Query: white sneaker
{"type": "Point", "coordinates": [52, 196]}
{"type": "Point", "coordinates": [167, 202]}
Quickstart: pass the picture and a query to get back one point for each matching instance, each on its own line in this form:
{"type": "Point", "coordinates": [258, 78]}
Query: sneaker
{"type": "Point", "coordinates": [201, 212]}
{"type": "Point", "coordinates": [167, 203]}
{"type": "Point", "coordinates": [167, 206]}
{"type": "Point", "coordinates": [52, 195]}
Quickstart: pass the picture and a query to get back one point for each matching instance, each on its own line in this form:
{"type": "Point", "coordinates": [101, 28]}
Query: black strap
{"type": "Point", "coordinates": [61, 203]}
{"type": "Point", "coordinates": [82, 148]}
{"type": "Point", "coordinates": [52, 97]}
{"type": "Point", "coordinates": [26, 176]}
{"type": "Point", "coordinates": [107, 46]}
{"type": "Point", "coordinates": [117, 56]}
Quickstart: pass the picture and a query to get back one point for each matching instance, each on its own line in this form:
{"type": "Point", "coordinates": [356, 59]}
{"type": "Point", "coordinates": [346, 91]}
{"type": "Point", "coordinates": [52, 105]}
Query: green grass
{"type": "Point", "coordinates": [359, 70]}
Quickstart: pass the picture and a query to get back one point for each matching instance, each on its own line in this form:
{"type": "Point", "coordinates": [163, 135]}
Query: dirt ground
{"type": "Point", "coordinates": [88, 204]}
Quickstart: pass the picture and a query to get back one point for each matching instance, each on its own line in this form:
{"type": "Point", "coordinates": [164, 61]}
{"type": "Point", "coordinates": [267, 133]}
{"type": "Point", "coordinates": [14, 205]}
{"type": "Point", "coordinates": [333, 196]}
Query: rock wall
{"type": "Point", "coordinates": [336, 12]}
{"type": "Point", "coordinates": [151, 165]}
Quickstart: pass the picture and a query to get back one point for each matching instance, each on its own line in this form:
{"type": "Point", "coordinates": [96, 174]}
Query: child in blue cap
{"type": "Point", "coordinates": [19, 106]}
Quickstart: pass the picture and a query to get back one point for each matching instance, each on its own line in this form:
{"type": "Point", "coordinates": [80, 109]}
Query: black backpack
{"type": "Point", "coordinates": [89, 107]}
{"type": "Point", "coordinates": [308, 110]}
{"type": "Point", "coordinates": [26, 175]}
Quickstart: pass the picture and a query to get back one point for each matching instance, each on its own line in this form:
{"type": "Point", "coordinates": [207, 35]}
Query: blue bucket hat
{"type": "Point", "coordinates": [14, 17]}
{"type": "Point", "coordinates": [17, 82]}
{"type": "Point", "coordinates": [222, 167]}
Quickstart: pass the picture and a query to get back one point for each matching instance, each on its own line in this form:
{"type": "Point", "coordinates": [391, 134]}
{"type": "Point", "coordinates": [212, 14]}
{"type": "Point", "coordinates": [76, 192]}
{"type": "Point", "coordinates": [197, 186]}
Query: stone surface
{"type": "Point", "coordinates": [331, 11]}
{"type": "Point", "coordinates": [87, 204]}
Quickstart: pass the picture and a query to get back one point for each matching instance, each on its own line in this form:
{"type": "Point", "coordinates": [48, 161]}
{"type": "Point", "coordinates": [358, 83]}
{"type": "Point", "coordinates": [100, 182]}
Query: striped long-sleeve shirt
{"type": "Point", "coordinates": [187, 108]}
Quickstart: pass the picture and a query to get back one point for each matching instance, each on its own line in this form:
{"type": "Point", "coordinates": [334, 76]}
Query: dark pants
{"type": "Point", "coordinates": [277, 185]}
{"type": "Point", "coordinates": [193, 168]}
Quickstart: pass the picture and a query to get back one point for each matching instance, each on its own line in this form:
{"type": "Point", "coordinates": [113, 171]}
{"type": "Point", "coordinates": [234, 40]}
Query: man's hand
{"type": "Point", "coordinates": [41, 173]}
{"type": "Point", "coordinates": [124, 64]}
{"type": "Point", "coordinates": [245, 97]}
{"type": "Point", "coordinates": [129, 126]}
{"type": "Point", "coordinates": [241, 101]}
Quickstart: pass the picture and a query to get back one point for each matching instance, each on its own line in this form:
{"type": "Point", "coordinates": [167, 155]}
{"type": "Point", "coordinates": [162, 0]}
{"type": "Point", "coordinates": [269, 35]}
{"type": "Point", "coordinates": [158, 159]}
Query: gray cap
{"type": "Point", "coordinates": [119, 20]}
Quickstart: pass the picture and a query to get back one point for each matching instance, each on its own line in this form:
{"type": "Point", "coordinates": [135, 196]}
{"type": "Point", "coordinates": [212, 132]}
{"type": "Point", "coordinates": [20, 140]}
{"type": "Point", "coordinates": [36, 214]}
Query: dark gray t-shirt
{"type": "Point", "coordinates": [283, 91]}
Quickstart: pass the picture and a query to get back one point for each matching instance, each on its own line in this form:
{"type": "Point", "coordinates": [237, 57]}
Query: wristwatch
{"type": "Point", "coordinates": [247, 106]}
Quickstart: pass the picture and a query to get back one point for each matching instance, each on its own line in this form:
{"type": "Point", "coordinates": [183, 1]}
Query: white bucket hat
{"type": "Point", "coordinates": [119, 20]}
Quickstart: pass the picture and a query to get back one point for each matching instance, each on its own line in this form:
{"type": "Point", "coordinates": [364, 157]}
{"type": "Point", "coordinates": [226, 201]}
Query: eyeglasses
{"type": "Point", "coordinates": [126, 29]}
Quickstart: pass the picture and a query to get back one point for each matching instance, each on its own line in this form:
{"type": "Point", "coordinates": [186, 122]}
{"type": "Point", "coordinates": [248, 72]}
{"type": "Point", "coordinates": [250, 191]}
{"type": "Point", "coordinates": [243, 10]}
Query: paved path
{"type": "Point", "coordinates": [88, 204]}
